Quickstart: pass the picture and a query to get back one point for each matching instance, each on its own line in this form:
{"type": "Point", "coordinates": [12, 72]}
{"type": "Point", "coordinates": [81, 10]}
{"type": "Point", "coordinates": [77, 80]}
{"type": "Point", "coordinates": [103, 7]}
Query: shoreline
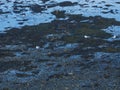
{"type": "Point", "coordinates": [54, 56]}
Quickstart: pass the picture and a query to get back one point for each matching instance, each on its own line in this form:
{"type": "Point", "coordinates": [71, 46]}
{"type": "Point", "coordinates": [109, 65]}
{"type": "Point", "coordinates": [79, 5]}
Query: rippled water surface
{"type": "Point", "coordinates": [18, 13]}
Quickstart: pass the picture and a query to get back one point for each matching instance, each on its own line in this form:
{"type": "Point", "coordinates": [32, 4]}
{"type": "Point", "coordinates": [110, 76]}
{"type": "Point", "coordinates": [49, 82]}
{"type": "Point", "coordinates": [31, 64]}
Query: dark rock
{"type": "Point", "coordinates": [36, 8]}
{"type": "Point", "coordinates": [67, 3]}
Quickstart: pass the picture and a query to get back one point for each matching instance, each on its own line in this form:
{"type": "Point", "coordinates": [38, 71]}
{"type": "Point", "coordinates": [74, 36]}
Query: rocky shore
{"type": "Point", "coordinates": [56, 56]}
{"type": "Point", "coordinates": [66, 51]}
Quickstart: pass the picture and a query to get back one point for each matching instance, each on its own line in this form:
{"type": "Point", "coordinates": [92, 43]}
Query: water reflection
{"type": "Point", "coordinates": [18, 13]}
{"type": "Point", "coordinates": [115, 31]}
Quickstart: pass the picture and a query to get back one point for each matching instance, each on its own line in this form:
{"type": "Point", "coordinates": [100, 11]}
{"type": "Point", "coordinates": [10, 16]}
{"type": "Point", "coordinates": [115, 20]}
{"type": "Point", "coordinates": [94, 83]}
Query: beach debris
{"type": "Point", "coordinates": [37, 47]}
{"type": "Point", "coordinates": [85, 36]}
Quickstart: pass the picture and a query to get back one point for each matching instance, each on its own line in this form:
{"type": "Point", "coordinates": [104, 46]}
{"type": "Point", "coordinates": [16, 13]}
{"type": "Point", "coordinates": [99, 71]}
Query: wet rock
{"type": "Point", "coordinates": [36, 8]}
{"type": "Point", "coordinates": [5, 88]}
{"type": "Point", "coordinates": [5, 53]}
{"type": "Point", "coordinates": [68, 47]}
{"type": "Point", "coordinates": [67, 3]}
{"type": "Point", "coordinates": [57, 65]}
{"type": "Point", "coordinates": [35, 71]}
{"type": "Point", "coordinates": [6, 65]}
{"type": "Point", "coordinates": [16, 47]}
{"type": "Point", "coordinates": [57, 75]}
{"type": "Point", "coordinates": [86, 85]}
{"type": "Point", "coordinates": [2, 12]}
{"type": "Point", "coordinates": [23, 74]}
{"type": "Point", "coordinates": [53, 37]}
{"type": "Point", "coordinates": [28, 68]}
{"type": "Point", "coordinates": [59, 14]}
{"type": "Point", "coordinates": [43, 60]}
{"type": "Point", "coordinates": [45, 1]}
{"type": "Point", "coordinates": [106, 75]}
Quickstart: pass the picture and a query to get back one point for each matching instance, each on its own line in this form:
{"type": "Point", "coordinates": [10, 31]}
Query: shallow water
{"type": "Point", "coordinates": [18, 13]}
{"type": "Point", "coordinates": [115, 31]}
